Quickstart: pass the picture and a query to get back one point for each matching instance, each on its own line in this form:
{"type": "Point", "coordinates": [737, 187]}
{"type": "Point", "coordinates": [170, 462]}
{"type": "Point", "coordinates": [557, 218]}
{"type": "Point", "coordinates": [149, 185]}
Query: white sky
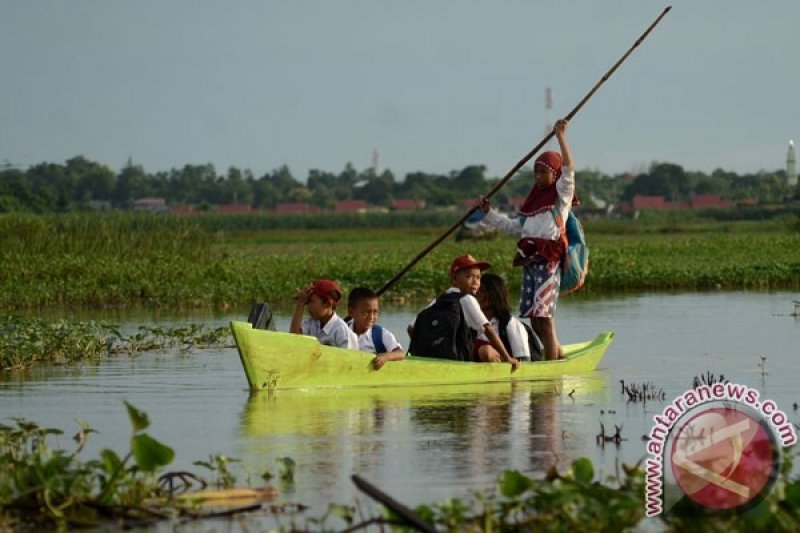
{"type": "Point", "coordinates": [434, 85]}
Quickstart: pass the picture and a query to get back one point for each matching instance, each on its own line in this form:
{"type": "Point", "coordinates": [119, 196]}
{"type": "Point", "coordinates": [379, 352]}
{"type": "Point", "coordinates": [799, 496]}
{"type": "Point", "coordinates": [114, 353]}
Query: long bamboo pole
{"type": "Point", "coordinates": [524, 160]}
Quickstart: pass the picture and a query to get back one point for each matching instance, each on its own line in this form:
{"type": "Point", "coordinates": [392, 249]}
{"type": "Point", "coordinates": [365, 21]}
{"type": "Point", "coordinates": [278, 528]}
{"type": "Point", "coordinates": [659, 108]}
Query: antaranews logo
{"type": "Point", "coordinates": [719, 444]}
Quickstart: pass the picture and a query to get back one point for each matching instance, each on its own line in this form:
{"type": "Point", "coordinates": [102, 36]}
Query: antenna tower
{"type": "Point", "coordinates": [548, 110]}
{"type": "Point", "coordinates": [376, 161]}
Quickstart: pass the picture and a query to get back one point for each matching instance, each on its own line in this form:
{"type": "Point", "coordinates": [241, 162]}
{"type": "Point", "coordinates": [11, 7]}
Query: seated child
{"type": "Point", "coordinates": [520, 341]}
{"type": "Point", "coordinates": [448, 326]}
{"type": "Point", "coordinates": [321, 298]}
{"type": "Point", "coordinates": [362, 306]}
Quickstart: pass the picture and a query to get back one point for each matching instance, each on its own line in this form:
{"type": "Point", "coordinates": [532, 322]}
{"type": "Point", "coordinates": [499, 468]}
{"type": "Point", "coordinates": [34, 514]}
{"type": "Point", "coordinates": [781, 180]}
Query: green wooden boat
{"type": "Point", "coordinates": [277, 360]}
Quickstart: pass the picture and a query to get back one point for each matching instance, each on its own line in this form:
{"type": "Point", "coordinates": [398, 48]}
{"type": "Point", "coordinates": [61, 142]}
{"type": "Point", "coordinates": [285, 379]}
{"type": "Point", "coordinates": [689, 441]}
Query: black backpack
{"type": "Point", "coordinates": [534, 344]}
{"type": "Point", "coordinates": [441, 331]}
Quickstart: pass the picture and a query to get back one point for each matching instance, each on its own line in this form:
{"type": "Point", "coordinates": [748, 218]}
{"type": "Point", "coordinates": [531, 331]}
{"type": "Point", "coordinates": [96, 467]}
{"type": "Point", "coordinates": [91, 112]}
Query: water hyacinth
{"type": "Point", "coordinates": [25, 341]}
{"type": "Point", "coordinates": [127, 260]}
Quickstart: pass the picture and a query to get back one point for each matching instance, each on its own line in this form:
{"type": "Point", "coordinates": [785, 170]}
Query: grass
{"type": "Point", "coordinates": [108, 261]}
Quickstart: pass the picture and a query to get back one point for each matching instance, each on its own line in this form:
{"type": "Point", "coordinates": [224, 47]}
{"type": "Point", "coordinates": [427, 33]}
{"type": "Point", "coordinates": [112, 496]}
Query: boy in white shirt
{"type": "Point", "coordinates": [362, 306]}
{"type": "Point", "coordinates": [321, 298]}
{"type": "Point", "coordinates": [465, 274]}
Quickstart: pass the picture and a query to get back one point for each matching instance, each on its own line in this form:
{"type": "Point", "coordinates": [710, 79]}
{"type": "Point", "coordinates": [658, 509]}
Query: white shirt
{"type": "Point", "coordinates": [366, 344]}
{"type": "Point", "coordinates": [542, 225]}
{"type": "Point", "coordinates": [473, 314]}
{"type": "Point", "coordinates": [334, 333]}
{"type": "Point", "coordinates": [517, 338]}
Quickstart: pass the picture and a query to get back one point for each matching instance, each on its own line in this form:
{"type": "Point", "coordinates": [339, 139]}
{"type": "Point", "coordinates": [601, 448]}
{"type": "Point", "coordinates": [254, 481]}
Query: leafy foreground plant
{"type": "Point", "coordinates": [43, 487]}
{"type": "Point", "coordinates": [572, 502]}
{"type": "Point", "coordinates": [24, 341]}
{"type": "Point", "coordinates": [575, 502]}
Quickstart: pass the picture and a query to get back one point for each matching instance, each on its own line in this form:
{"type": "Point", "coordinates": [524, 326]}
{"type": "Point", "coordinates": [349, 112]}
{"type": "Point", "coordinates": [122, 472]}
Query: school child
{"type": "Point", "coordinates": [541, 248]}
{"type": "Point", "coordinates": [517, 336]}
{"type": "Point", "coordinates": [321, 298]}
{"type": "Point", "coordinates": [362, 306]}
{"type": "Point", "coordinates": [448, 326]}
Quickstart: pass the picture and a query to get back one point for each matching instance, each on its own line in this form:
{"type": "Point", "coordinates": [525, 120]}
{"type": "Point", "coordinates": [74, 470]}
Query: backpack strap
{"type": "Point", "coordinates": [562, 230]}
{"type": "Point", "coordinates": [377, 338]}
{"type": "Point", "coordinates": [502, 326]}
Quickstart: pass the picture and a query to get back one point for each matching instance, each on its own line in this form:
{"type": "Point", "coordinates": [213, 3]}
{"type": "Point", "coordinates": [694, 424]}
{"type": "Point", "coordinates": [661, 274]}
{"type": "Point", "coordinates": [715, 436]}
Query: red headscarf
{"type": "Point", "coordinates": [541, 199]}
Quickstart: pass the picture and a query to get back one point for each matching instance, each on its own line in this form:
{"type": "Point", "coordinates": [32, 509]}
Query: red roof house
{"type": "Point", "coordinates": [294, 208]}
{"type": "Point", "coordinates": [408, 204]}
{"type": "Point", "coordinates": [351, 206]}
{"type": "Point", "coordinates": [656, 203]}
{"type": "Point", "coordinates": [229, 209]}
{"type": "Point", "coordinates": [709, 201]}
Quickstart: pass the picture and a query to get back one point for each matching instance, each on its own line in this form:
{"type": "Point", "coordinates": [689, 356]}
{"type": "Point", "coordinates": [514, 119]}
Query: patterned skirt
{"type": "Point", "coordinates": [541, 281]}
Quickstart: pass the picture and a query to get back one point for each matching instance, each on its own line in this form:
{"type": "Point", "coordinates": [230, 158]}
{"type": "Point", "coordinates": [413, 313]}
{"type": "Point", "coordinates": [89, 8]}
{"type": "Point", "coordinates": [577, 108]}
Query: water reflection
{"type": "Point", "coordinates": [455, 434]}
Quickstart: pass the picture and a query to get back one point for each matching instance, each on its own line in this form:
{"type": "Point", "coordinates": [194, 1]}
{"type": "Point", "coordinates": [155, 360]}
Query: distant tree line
{"type": "Point", "coordinates": [79, 182]}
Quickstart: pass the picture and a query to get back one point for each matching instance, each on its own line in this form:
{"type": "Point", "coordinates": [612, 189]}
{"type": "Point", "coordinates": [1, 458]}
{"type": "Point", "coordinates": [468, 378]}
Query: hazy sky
{"type": "Point", "coordinates": [433, 85]}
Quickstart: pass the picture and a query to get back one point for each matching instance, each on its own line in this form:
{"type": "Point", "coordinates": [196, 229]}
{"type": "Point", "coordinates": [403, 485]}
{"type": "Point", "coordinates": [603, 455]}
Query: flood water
{"type": "Point", "coordinates": [425, 444]}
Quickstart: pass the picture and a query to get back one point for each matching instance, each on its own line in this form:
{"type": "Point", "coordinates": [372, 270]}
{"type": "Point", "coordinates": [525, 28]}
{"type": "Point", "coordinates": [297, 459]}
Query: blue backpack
{"type": "Point", "coordinates": [377, 338]}
{"type": "Point", "coordinates": [575, 264]}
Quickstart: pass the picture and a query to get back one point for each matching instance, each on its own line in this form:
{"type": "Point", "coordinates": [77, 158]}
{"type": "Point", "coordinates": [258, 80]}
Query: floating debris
{"type": "Point", "coordinates": [616, 438]}
{"type": "Point", "coordinates": [643, 392]}
{"type": "Point", "coordinates": [708, 379]}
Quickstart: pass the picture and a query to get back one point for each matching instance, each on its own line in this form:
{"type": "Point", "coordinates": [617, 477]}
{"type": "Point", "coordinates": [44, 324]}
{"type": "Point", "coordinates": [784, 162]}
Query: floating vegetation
{"type": "Point", "coordinates": [577, 501]}
{"type": "Point", "coordinates": [707, 379]}
{"type": "Point", "coordinates": [25, 341]}
{"type": "Point", "coordinates": [42, 487]}
{"type": "Point", "coordinates": [46, 488]}
{"type": "Point", "coordinates": [643, 392]}
{"type": "Point", "coordinates": [177, 263]}
{"type": "Point", "coordinates": [573, 501]}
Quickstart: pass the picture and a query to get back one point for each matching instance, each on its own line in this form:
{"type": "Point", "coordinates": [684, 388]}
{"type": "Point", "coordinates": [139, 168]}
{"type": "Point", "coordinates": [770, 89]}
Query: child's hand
{"type": "Point", "coordinates": [485, 204]}
{"type": "Point", "coordinates": [301, 296]}
{"type": "Point", "coordinates": [561, 127]}
{"type": "Point", "coordinates": [514, 364]}
{"type": "Point", "coordinates": [379, 361]}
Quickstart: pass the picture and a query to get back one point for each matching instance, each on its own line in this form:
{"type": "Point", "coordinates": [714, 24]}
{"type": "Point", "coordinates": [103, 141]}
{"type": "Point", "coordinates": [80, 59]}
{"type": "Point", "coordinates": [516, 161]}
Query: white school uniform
{"type": "Point", "coordinates": [367, 344]}
{"type": "Point", "coordinates": [473, 314]}
{"type": "Point", "coordinates": [334, 333]}
{"type": "Point", "coordinates": [541, 225]}
{"type": "Point", "coordinates": [517, 338]}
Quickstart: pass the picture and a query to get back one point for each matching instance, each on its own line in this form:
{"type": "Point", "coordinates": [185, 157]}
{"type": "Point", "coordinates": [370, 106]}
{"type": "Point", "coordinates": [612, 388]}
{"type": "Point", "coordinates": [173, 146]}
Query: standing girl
{"type": "Point", "coordinates": [541, 246]}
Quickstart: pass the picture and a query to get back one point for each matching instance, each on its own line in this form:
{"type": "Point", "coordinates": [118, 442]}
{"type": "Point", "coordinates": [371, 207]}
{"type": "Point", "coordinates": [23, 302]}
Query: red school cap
{"type": "Point", "coordinates": [327, 289]}
{"type": "Point", "coordinates": [467, 261]}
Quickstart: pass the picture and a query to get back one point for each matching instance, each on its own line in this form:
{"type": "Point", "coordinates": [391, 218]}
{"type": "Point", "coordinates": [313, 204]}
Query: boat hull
{"type": "Point", "coordinates": [277, 360]}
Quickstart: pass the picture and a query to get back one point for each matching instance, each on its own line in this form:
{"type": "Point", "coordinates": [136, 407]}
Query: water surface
{"type": "Point", "coordinates": [424, 444]}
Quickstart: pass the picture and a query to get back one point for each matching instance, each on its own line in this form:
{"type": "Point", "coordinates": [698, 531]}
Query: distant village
{"type": "Point", "coordinates": [81, 184]}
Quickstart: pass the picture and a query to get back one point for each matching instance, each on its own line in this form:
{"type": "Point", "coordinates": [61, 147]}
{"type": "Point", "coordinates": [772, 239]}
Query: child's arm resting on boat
{"type": "Point", "coordinates": [398, 354]}
{"type": "Point", "coordinates": [497, 344]}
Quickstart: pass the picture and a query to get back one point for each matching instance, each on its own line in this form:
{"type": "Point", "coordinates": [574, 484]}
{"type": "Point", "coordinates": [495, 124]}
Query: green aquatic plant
{"type": "Point", "coordinates": [574, 501]}
{"type": "Point", "coordinates": [178, 263]}
{"type": "Point", "coordinates": [42, 487]}
{"type": "Point", "coordinates": [25, 341]}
